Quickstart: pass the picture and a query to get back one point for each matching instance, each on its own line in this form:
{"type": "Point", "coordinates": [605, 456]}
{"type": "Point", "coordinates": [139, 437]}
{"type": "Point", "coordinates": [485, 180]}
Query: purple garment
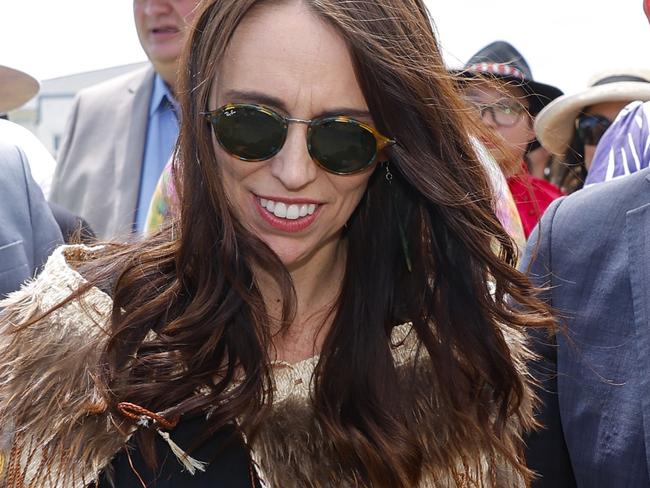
{"type": "Point", "coordinates": [625, 147]}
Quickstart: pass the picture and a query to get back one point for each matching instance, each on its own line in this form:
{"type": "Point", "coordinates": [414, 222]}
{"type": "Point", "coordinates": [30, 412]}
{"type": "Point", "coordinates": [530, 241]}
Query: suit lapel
{"type": "Point", "coordinates": [637, 231]}
{"type": "Point", "coordinates": [130, 148]}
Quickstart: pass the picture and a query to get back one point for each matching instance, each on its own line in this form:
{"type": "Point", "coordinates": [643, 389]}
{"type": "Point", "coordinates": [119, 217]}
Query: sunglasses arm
{"type": "Point", "coordinates": [382, 141]}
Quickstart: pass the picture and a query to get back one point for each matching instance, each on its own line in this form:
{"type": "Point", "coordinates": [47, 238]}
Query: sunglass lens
{"type": "Point", "coordinates": [592, 128]}
{"type": "Point", "coordinates": [342, 146]}
{"type": "Point", "coordinates": [249, 133]}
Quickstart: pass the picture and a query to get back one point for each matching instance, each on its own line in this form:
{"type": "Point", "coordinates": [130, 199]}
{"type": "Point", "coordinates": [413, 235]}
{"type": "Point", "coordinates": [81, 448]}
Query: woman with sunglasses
{"type": "Point", "coordinates": [164, 203]}
{"type": "Point", "coordinates": [572, 125]}
{"type": "Point", "coordinates": [335, 305]}
{"type": "Point", "coordinates": [624, 149]}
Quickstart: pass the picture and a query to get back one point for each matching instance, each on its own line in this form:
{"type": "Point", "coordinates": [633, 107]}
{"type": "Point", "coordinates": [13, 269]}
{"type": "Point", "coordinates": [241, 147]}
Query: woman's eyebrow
{"type": "Point", "coordinates": [352, 112]}
{"type": "Point", "coordinates": [254, 97]}
{"type": "Point", "coordinates": [271, 101]}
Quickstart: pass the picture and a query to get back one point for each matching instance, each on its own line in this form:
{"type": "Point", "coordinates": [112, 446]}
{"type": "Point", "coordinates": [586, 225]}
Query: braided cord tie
{"type": "Point", "coordinates": [143, 417]}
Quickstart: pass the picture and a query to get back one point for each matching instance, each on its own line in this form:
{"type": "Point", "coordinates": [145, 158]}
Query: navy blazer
{"type": "Point", "coordinates": [592, 249]}
{"type": "Point", "coordinates": [28, 231]}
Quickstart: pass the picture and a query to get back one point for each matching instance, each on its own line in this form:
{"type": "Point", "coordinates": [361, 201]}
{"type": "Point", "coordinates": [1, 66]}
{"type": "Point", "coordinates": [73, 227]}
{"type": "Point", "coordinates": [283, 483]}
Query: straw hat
{"type": "Point", "coordinates": [555, 124]}
{"type": "Point", "coordinates": [16, 88]}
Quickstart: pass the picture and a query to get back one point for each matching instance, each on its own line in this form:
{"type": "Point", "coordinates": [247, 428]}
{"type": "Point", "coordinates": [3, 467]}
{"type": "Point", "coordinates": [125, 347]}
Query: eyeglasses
{"type": "Point", "coordinates": [338, 144]}
{"type": "Point", "coordinates": [590, 128]}
{"type": "Point", "coordinates": [503, 114]}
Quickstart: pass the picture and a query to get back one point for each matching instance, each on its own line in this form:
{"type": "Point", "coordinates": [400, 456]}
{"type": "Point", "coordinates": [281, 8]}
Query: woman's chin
{"type": "Point", "coordinates": [307, 252]}
{"type": "Point", "coordinates": [290, 255]}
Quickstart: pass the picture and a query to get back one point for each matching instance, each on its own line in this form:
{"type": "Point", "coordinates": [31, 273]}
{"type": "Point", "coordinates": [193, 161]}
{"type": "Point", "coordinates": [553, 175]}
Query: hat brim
{"type": "Point", "coordinates": [16, 88]}
{"type": "Point", "coordinates": [555, 124]}
{"type": "Point", "coordinates": [539, 94]}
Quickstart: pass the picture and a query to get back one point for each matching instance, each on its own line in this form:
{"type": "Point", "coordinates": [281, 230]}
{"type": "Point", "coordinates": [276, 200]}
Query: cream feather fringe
{"type": "Point", "coordinates": [54, 428]}
{"type": "Point", "coordinates": [55, 431]}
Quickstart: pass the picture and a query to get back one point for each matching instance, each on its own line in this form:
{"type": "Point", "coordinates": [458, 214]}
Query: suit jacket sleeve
{"type": "Point", "coordinates": [28, 233]}
{"type": "Point", "coordinates": [546, 450]}
{"type": "Point", "coordinates": [46, 232]}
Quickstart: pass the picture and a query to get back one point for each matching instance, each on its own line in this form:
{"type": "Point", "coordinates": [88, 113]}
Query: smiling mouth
{"type": "Point", "coordinates": [164, 30]}
{"type": "Point", "coordinates": [292, 211]}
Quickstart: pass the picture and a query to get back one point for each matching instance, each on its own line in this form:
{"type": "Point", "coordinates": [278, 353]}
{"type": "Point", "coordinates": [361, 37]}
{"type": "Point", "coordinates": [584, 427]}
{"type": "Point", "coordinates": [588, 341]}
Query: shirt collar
{"type": "Point", "coordinates": [161, 93]}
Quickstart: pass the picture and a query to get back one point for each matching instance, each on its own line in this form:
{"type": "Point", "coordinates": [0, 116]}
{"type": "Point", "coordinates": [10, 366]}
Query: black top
{"type": "Point", "coordinates": [228, 467]}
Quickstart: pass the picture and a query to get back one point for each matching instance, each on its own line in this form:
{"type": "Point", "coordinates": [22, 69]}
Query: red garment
{"type": "Point", "coordinates": [532, 196]}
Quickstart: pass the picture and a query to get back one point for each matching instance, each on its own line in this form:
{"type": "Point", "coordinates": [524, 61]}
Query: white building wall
{"type": "Point", "coordinates": [53, 115]}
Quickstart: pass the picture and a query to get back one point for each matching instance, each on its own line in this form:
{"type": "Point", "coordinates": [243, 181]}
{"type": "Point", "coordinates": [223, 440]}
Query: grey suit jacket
{"type": "Point", "coordinates": [594, 252]}
{"type": "Point", "coordinates": [99, 163]}
{"type": "Point", "coordinates": [28, 231]}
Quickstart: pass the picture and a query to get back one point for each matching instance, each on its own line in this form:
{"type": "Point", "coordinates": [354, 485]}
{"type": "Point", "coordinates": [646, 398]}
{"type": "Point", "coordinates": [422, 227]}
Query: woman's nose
{"type": "Point", "coordinates": [293, 165]}
{"type": "Point", "coordinates": [156, 7]}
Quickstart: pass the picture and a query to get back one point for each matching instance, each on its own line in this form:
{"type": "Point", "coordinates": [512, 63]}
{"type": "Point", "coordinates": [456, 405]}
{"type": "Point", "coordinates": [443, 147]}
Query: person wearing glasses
{"type": "Point", "coordinates": [165, 203]}
{"type": "Point", "coordinates": [335, 304]}
{"type": "Point", "coordinates": [624, 148]}
{"type": "Point", "coordinates": [498, 83]}
{"type": "Point", "coordinates": [572, 125]}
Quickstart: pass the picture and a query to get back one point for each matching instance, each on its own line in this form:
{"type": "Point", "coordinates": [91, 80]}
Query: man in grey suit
{"type": "Point", "coordinates": [28, 231]}
{"type": "Point", "coordinates": [121, 133]}
{"type": "Point", "coordinates": [592, 250]}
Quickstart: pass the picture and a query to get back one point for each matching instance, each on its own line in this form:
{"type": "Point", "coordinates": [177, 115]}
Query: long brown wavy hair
{"type": "Point", "coordinates": [193, 285]}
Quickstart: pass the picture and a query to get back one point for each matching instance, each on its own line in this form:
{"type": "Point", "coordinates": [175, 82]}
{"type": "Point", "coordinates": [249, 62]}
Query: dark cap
{"type": "Point", "coordinates": [501, 60]}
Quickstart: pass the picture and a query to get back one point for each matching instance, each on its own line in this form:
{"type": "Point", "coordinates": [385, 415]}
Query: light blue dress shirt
{"type": "Point", "coordinates": [162, 132]}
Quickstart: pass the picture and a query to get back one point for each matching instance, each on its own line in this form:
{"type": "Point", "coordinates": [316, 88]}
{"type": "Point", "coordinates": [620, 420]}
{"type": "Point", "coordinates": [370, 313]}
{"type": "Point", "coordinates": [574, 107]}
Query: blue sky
{"type": "Point", "coordinates": [564, 41]}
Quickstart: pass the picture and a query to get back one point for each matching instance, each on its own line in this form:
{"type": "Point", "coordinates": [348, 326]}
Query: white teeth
{"type": "Point", "coordinates": [284, 211]}
{"type": "Point", "coordinates": [280, 210]}
{"type": "Point", "coordinates": [293, 212]}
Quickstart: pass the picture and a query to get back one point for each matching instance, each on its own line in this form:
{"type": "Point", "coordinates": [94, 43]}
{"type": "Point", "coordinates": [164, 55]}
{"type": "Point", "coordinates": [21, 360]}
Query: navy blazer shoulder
{"type": "Point", "coordinates": [592, 252]}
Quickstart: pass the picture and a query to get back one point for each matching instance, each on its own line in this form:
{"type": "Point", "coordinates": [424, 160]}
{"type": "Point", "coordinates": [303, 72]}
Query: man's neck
{"type": "Point", "coordinates": [169, 76]}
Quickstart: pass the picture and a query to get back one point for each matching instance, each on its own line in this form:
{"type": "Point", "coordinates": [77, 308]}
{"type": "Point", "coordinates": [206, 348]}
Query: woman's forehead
{"type": "Point", "coordinates": [286, 51]}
